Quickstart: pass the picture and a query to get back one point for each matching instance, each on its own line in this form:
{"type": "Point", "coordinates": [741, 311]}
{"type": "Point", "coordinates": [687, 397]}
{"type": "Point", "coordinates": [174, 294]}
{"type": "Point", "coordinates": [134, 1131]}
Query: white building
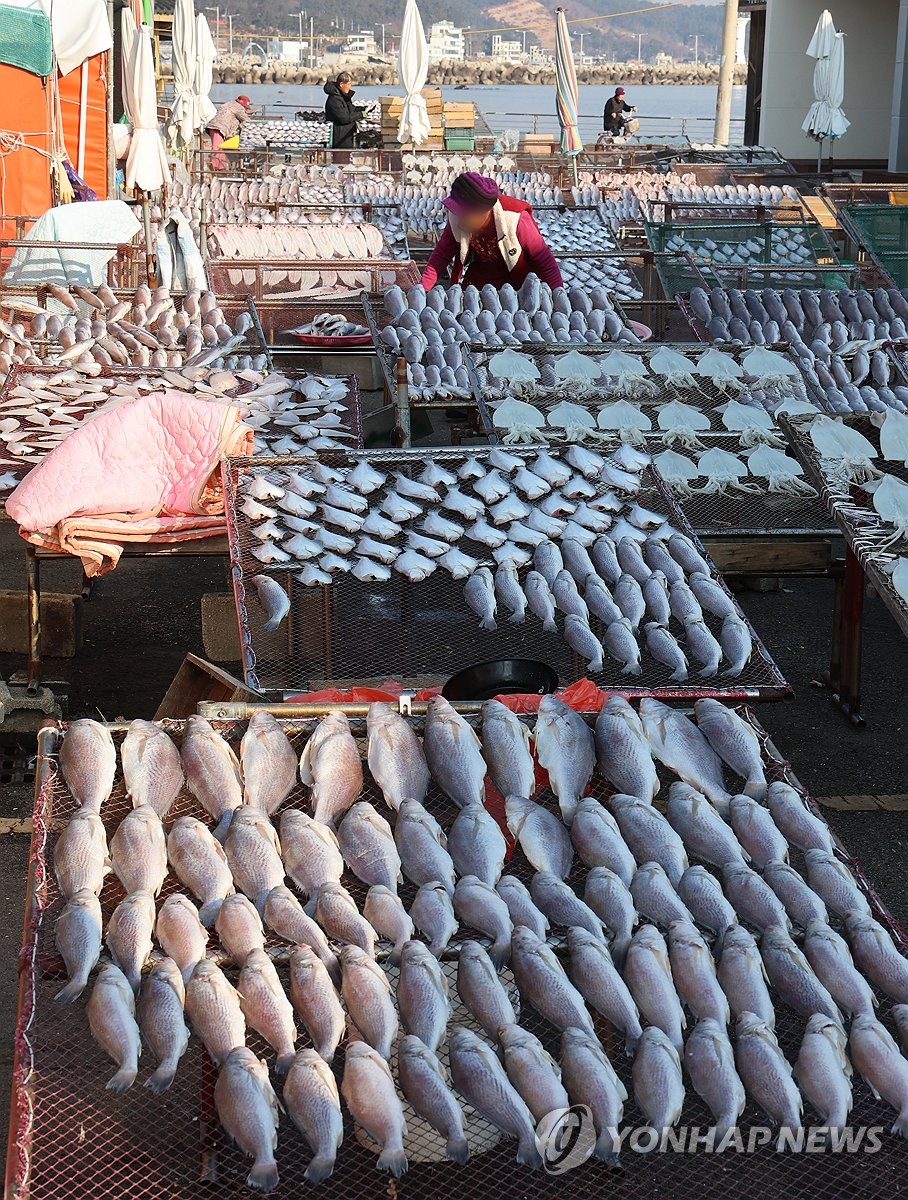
{"type": "Point", "coordinates": [361, 45]}
{"type": "Point", "coordinates": [445, 42]}
{"type": "Point", "coordinates": [506, 51]}
{"type": "Point", "coordinates": [287, 51]}
{"type": "Point", "coordinates": [741, 39]}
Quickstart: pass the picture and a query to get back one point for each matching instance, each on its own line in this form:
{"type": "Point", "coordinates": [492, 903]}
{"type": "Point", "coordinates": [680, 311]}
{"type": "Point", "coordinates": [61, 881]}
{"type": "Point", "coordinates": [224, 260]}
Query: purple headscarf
{"type": "Point", "coordinates": [471, 192]}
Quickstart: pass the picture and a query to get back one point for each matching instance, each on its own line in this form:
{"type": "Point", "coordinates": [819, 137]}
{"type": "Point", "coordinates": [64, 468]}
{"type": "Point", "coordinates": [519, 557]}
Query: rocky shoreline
{"type": "Point", "coordinates": [471, 74]}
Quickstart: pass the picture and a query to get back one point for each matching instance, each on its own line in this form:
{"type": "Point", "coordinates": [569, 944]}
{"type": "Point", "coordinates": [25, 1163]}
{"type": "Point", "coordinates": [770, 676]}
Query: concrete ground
{"type": "Point", "coordinates": [144, 617]}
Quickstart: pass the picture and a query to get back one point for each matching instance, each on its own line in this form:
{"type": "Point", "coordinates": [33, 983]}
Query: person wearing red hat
{"type": "Point", "coordinates": [226, 124]}
{"type": "Point", "coordinates": [613, 114]}
{"type": "Point", "coordinates": [489, 238]}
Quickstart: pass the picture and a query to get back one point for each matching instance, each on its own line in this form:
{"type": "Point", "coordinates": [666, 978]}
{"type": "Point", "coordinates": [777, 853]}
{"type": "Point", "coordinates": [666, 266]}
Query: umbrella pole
{"type": "Point", "coordinates": [576, 172]}
{"type": "Point", "coordinates": [149, 249]}
{"type": "Point", "coordinates": [820, 158]}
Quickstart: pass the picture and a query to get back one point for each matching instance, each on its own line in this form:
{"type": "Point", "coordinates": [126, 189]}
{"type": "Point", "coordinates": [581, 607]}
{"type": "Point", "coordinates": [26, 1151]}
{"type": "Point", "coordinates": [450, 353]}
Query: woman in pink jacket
{"type": "Point", "coordinates": [489, 238]}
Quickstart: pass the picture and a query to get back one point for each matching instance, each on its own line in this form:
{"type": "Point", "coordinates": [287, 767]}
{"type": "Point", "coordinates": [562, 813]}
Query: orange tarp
{"type": "Point", "coordinates": [27, 108]}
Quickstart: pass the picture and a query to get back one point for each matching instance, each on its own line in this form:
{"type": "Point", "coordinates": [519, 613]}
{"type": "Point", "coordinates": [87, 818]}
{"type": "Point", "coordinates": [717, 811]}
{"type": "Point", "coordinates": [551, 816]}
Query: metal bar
{"type": "Point", "coordinates": [403, 432]}
{"type": "Point", "coordinates": [33, 598]}
{"type": "Point", "coordinates": [254, 313]}
{"type": "Point", "coordinates": [849, 696]}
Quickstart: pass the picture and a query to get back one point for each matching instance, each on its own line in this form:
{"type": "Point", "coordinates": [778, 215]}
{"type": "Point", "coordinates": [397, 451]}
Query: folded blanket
{"type": "Point", "coordinates": [147, 470]}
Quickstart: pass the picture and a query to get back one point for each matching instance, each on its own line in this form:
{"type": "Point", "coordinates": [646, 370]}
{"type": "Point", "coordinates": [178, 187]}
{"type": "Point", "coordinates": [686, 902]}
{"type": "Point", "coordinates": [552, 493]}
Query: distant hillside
{"type": "Point", "coordinates": [669, 31]}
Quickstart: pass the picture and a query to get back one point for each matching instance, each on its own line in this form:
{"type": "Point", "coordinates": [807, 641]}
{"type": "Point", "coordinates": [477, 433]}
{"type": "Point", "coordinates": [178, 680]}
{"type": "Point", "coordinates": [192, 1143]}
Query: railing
{"type": "Point", "coordinates": [696, 129]}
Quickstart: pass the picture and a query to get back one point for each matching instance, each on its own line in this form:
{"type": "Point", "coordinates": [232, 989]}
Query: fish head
{"type": "Point", "coordinates": [817, 857]}
{"type": "Point", "coordinates": [168, 973]}
{"type": "Point", "coordinates": [84, 898]}
{"type": "Point", "coordinates": [352, 956]}
{"type": "Point", "coordinates": [653, 1036]}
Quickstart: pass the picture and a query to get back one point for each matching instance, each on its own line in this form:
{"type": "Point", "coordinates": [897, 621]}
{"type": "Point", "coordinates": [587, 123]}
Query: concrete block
{"type": "Point", "coordinates": [220, 635]}
{"type": "Point", "coordinates": [61, 624]}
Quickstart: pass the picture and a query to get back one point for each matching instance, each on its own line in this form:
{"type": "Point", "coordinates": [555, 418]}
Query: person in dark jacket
{"type": "Point", "coordinates": [342, 112]}
{"type": "Point", "coordinates": [613, 113]}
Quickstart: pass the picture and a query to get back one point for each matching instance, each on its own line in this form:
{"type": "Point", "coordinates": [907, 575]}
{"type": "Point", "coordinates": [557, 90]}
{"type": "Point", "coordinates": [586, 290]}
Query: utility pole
{"type": "Point", "coordinates": [726, 74]}
{"type": "Point", "coordinates": [581, 48]}
{"type": "Point", "coordinates": [311, 42]}
{"type": "Point", "coordinates": [696, 49]}
{"type": "Point", "coordinates": [383, 38]}
{"type": "Point", "coordinates": [639, 47]}
{"type": "Point", "coordinates": [230, 26]}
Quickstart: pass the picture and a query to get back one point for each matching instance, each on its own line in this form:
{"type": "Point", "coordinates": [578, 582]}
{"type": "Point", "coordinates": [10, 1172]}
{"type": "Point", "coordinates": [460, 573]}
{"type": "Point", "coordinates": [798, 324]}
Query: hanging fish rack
{"type": "Point", "coordinates": [851, 507]}
{"type": "Point", "coordinates": [278, 315]}
{"type": "Point", "coordinates": [424, 632]}
{"type": "Point", "coordinates": [836, 277]}
{"type": "Point", "coordinates": [373, 211]}
{"type": "Point", "coordinates": [766, 159]}
{"type": "Point", "coordinates": [145, 1147]}
{"type": "Point", "coordinates": [263, 280]}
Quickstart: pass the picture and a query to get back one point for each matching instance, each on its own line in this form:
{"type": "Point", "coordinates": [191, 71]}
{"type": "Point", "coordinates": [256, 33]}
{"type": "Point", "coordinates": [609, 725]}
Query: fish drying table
{"type": "Point", "coordinates": [261, 279]}
{"type": "Point", "coordinates": [424, 632]}
{"type": "Point", "coordinates": [864, 531]}
{"type": "Point", "coordinates": [71, 1138]}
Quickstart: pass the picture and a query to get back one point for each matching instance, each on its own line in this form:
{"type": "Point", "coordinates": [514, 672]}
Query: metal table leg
{"type": "Point", "coordinates": [832, 677]}
{"type": "Point", "coordinates": [848, 695]}
{"type": "Point", "coordinates": [33, 595]}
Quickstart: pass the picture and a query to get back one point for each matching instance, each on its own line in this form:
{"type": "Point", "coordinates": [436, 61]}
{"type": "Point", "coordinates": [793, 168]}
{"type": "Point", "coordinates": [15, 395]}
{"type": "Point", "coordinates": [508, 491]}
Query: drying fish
{"type": "Point", "coordinates": [161, 1021]}
{"type": "Point", "coordinates": [543, 983]}
{"type": "Point", "coordinates": [649, 835]}
{"type": "Point", "coordinates": [311, 1099]}
{"type": "Point", "coordinates": [835, 884]}
{"type": "Point", "coordinates": [239, 928]}
{"type": "Point", "coordinates": [432, 912]}
{"type": "Point", "coordinates": [510, 593]}
{"type": "Point", "coordinates": [384, 911]}
{"type": "Point", "coordinates": [212, 771]}
{"type": "Point", "coordinates": [479, 593]}
{"type": "Point", "coordinates": [678, 744]}
{"type": "Point", "coordinates": [622, 646]}
{"type": "Point", "coordinates": [481, 1080]}
{"type": "Point", "coordinates": [80, 855]}
{"type": "Point", "coordinates": [248, 1109]}
{"type": "Point", "coordinates": [823, 1071]}
{"type": "Point", "coordinates": [609, 898]}
{"type": "Point", "coordinates": [330, 765]}
{"type": "Point", "coordinates": [648, 975]}
{"type": "Point", "coordinates": [710, 1062]}
{"type": "Point", "coordinates": [565, 749]}
{"type": "Point", "coordinates": [703, 896]}
{"type": "Point", "coordinates": [88, 761]}
{"type": "Point", "coordinates": [315, 1001]}
{"type": "Point", "coordinates": [877, 1058]}
{"type": "Point", "coordinates": [700, 827]}
{"type": "Point", "coordinates": [533, 1072]}
{"type": "Point", "coordinates": [152, 770]}
{"type": "Point", "coordinates": [598, 841]}
{"type": "Point", "coordinates": [664, 648]}
{"type": "Point", "coordinates": [754, 900]}
{"type": "Point", "coordinates": [735, 742]}
{"type": "Point", "coordinates": [367, 845]}
{"type": "Point", "coordinates": [799, 825]}
{"type": "Point", "coordinates": [253, 854]}
{"type": "Point", "coordinates": [367, 998]}
{"type": "Point", "coordinates": [338, 916]}
{"type": "Point", "coordinates": [274, 600]}
{"type": "Point", "coordinates": [561, 905]}
{"type": "Point", "coordinates": [757, 833]}
{"type": "Point", "coordinates": [829, 957]}
{"type": "Point", "coordinates": [801, 903]}
{"type": "Point", "coordinates": [877, 956]}
{"type": "Point", "coordinates": [766, 1073]}
{"type": "Point", "coordinates": [737, 645]}
{"type": "Point", "coordinates": [129, 934]}
{"type": "Point", "coordinates": [268, 763]}
{"type": "Point", "coordinates": [454, 753]}
{"type": "Point", "coordinates": [181, 934]}
{"type": "Point", "coordinates": [111, 1019]}
{"type": "Point", "coordinates": [266, 1007]}
{"type": "Point", "coordinates": [422, 995]}
{"type": "Point", "coordinates": [421, 845]}
{"type": "Point", "coordinates": [658, 1086]}
{"type": "Point", "coordinates": [654, 896]}
{"type": "Point", "coordinates": [520, 906]}
{"type": "Point", "coordinates": [310, 851]}
{"type": "Point", "coordinates": [214, 1012]}
{"type": "Point", "coordinates": [541, 836]}
{"type": "Point", "coordinates": [743, 977]}
{"type": "Point", "coordinates": [77, 936]}
{"type": "Point", "coordinates": [479, 906]}
{"type": "Point", "coordinates": [793, 978]}
{"type": "Point", "coordinates": [591, 1080]}
{"type": "Point", "coordinates": [422, 1081]}
{"type": "Point", "coordinates": [506, 747]}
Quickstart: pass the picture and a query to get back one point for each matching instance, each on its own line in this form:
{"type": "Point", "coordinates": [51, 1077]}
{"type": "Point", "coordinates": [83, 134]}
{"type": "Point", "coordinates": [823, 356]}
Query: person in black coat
{"type": "Point", "coordinates": [342, 112]}
{"type": "Point", "coordinates": [613, 113]}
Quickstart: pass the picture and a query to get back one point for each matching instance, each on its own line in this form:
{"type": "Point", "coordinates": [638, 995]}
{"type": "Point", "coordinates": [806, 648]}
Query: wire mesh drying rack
{"type": "Point", "coordinates": [422, 633]}
{"type": "Point", "coordinates": [335, 212]}
{"type": "Point", "coordinates": [241, 276]}
{"type": "Point", "coordinates": [69, 1137]}
{"type": "Point", "coordinates": [865, 532]}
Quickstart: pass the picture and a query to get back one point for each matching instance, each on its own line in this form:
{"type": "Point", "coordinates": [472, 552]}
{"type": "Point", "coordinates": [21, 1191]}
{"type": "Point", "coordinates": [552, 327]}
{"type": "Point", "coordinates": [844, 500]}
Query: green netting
{"type": "Point", "coordinates": [884, 227]}
{"type": "Point", "coordinates": [25, 40]}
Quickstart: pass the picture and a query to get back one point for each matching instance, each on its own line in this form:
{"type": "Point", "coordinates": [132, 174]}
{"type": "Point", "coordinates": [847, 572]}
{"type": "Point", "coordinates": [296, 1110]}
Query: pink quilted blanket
{"type": "Point", "coordinates": [147, 470]}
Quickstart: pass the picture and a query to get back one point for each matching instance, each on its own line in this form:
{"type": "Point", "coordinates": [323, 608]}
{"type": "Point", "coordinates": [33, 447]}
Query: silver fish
{"type": "Point", "coordinates": [479, 906]}
{"type": "Point", "coordinates": [877, 1058]}
{"type": "Point", "coordinates": [654, 896]}
{"type": "Point", "coordinates": [476, 844]}
{"type": "Point", "coordinates": [315, 1001]}
{"type": "Point", "coordinates": [679, 745]}
{"type": "Point", "coordinates": [710, 1063]}
{"type": "Point", "coordinates": [658, 1085]}
{"type": "Point", "coordinates": [367, 844]}
{"type": "Point", "coordinates": [683, 603]}
{"type": "Point", "coordinates": [735, 742]}
{"type": "Point", "coordinates": [432, 912]}
{"type": "Point", "coordinates": [372, 1099]}
{"type": "Point", "coordinates": [877, 956]}
{"type": "Point", "coordinates": [268, 763]}
{"type": "Point", "coordinates": [757, 832]}
{"type": "Point", "coordinates": [622, 645]}
{"type": "Point", "coordinates": [541, 836]}
{"type": "Point", "coordinates": [384, 911]}
{"type": "Point", "coordinates": [422, 1082]}
{"type": "Point", "coordinates": [800, 826]}
{"type": "Point", "coordinates": [239, 927]}
{"type": "Point", "coordinates": [649, 835]}
{"type": "Point", "coordinates": [561, 905]}
{"type": "Point", "coordinates": [664, 648]}
{"type": "Point", "coordinates": [199, 863]}
{"type": "Point", "coordinates": [337, 914]}
{"type": "Point", "coordinates": [479, 593]}
{"type": "Point", "coordinates": [77, 936]}
{"type": "Point", "coordinates": [367, 997]}
{"type": "Point", "coordinates": [792, 976]}
{"type": "Point", "coordinates": [694, 973]}
{"type": "Point", "coordinates": [454, 753]}
{"type": "Point", "coordinates": [284, 914]}
{"type": "Point", "coordinates": [481, 1080]}
{"type": "Point", "coordinates": [506, 747]}
{"type": "Point", "coordinates": [584, 642]}
{"type": "Point", "coordinates": [704, 833]}
{"type": "Point", "coordinates": [266, 1007]}
{"type": "Point", "coordinates": [900, 1017]}
{"type": "Point", "coordinates": [129, 935]}
{"type": "Point", "coordinates": [603, 554]}
{"type": "Point", "coordinates": [703, 895]}
{"type": "Point", "coordinates": [253, 854]}
{"type": "Point", "coordinates": [743, 977]}
{"type": "Point", "coordinates": [212, 770]}
{"type": "Point", "coordinates": [754, 900]}
{"type": "Point", "coordinates": [88, 761]}
{"type": "Point", "coordinates": [248, 1109]}
{"type": "Point", "coordinates": [823, 1072]}
{"type": "Point", "coordinates": [703, 647]}
{"type": "Point", "coordinates": [274, 600]}
{"type": "Point", "coordinates": [312, 1102]}
{"type": "Point", "coordinates": [593, 972]}
{"type": "Point", "coordinates": [510, 593]}
{"type": "Point", "coordinates": [111, 1019]}
{"type": "Point", "coordinates": [540, 600]}
{"type": "Point", "coordinates": [152, 768]}
{"type": "Point", "coordinates": [565, 749]}
{"type": "Point", "coordinates": [481, 990]}
{"type": "Point", "coordinates": [161, 1021]}
{"type": "Point", "coordinates": [422, 995]}
{"type": "Point", "coordinates": [600, 602]}
{"type": "Point", "coordinates": [310, 851]}
{"type": "Point", "coordinates": [421, 845]}
{"type": "Point", "coordinates": [80, 854]}
{"type": "Point", "coordinates": [543, 983]}
{"type": "Point", "coordinates": [213, 1009]}
{"type": "Point", "coordinates": [138, 851]}
{"type": "Point", "coordinates": [181, 934]}
{"type": "Point", "coordinates": [395, 756]}
{"type": "Point", "coordinates": [610, 899]}
{"type": "Point", "coordinates": [591, 1080]}
{"type": "Point", "coordinates": [330, 765]}
{"type": "Point", "coordinates": [834, 883]}
{"type": "Point", "coordinates": [598, 841]}
{"type": "Point", "coordinates": [521, 907]}
{"type": "Point", "coordinates": [801, 903]}
{"type": "Point", "coordinates": [548, 561]}
{"type": "Point", "coordinates": [629, 598]}
{"type": "Point", "coordinates": [568, 598]}
{"type": "Point", "coordinates": [766, 1073]}
{"type": "Point", "coordinates": [737, 645]}
{"type": "Point", "coordinates": [532, 1071]}
{"type": "Point", "coordinates": [655, 596]}
{"type": "Point", "coordinates": [648, 974]}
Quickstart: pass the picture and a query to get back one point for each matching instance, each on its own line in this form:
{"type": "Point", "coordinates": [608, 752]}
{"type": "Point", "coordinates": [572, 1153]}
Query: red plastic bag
{"type": "Point", "coordinates": [583, 696]}
{"type": "Point", "coordinates": [357, 695]}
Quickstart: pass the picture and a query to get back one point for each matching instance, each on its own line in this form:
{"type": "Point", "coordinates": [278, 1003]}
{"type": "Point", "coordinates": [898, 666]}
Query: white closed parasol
{"type": "Point", "coordinates": [182, 123]}
{"type": "Point", "coordinates": [203, 74]}
{"type": "Point", "coordinates": [413, 70]}
{"type": "Point", "coordinates": [826, 118]}
{"type": "Point", "coordinates": [146, 163]}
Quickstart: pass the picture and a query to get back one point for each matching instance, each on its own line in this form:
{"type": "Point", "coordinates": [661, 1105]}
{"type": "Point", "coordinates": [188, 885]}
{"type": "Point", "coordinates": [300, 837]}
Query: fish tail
{"type": "Point", "coordinates": [619, 951]}
{"type": "Point", "coordinates": [320, 1168]}
{"type": "Point", "coordinates": [271, 624]}
{"type": "Point", "coordinates": [549, 625]}
{"type": "Point", "coordinates": [457, 1149]}
{"type": "Point", "coordinates": [632, 669]}
{"type": "Point", "coordinates": [756, 788]}
{"type": "Point", "coordinates": [326, 1051]}
{"type": "Point", "coordinates": [732, 672]}
{"type": "Point", "coordinates": [679, 675]}
{"type": "Point", "coordinates": [394, 1161]}
{"type": "Point", "coordinates": [528, 1152]}
{"type": "Point", "coordinates": [263, 1177]}
{"type": "Point", "coordinates": [72, 991]}
{"type": "Point", "coordinates": [332, 965]}
{"type": "Point", "coordinates": [394, 956]}
{"type": "Point", "coordinates": [284, 1063]}
{"type": "Point", "coordinates": [631, 1041]}
{"type": "Point", "coordinates": [208, 913]}
{"type": "Point", "coordinates": [163, 1077]}
{"type": "Point", "coordinates": [900, 1128]}
{"type": "Point", "coordinates": [488, 623]}
{"type": "Point", "coordinates": [605, 1149]}
{"type": "Point", "coordinates": [499, 953]}
{"type": "Point", "coordinates": [123, 1080]}
{"type": "Point", "coordinates": [708, 671]}
{"type": "Point", "coordinates": [219, 833]}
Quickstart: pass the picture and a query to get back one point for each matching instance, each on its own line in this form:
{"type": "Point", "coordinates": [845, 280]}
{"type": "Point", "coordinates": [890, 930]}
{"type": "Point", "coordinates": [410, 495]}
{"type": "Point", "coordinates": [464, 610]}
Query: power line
{"type": "Point", "coordinates": [583, 20]}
